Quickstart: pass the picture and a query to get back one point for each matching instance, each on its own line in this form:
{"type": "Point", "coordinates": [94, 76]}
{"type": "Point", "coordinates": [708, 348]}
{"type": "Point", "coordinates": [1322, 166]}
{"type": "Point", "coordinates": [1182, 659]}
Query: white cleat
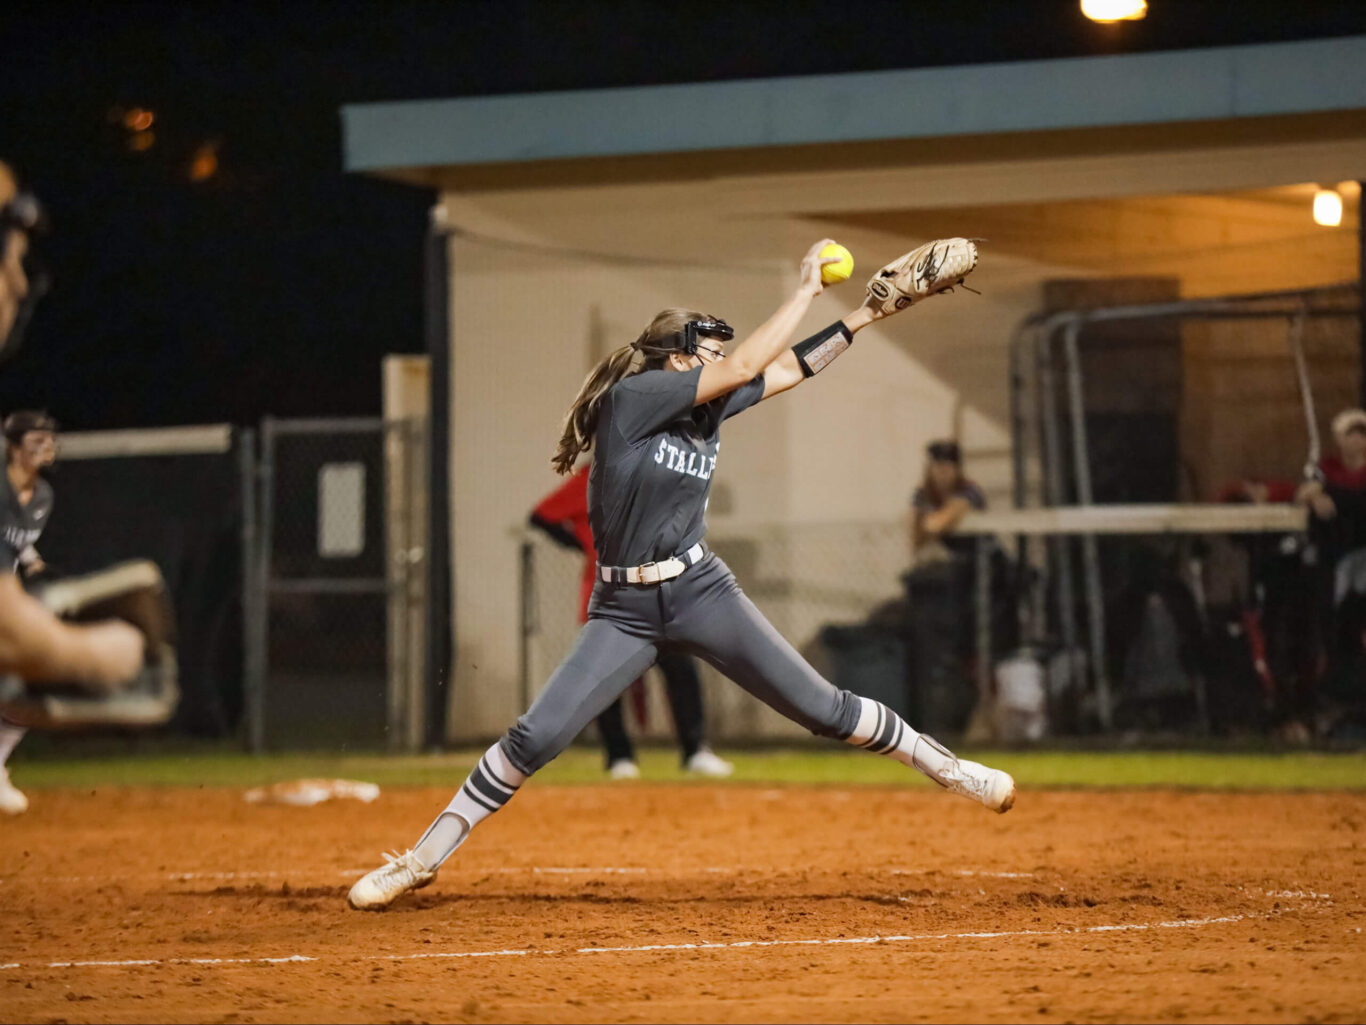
{"type": "Point", "coordinates": [623, 768]}
{"type": "Point", "coordinates": [706, 762]}
{"type": "Point", "coordinates": [992, 788]}
{"type": "Point", "coordinates": [12, 799]}
{"type": "Point", "coordinates": [400, 874]}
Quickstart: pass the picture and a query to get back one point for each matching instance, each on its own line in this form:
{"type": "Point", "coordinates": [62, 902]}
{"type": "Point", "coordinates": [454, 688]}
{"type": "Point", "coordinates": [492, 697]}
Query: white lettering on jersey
{"type": "Point", "coordinates": [693, 463]}
{"type": "Point", "coordinates": [19, 538]}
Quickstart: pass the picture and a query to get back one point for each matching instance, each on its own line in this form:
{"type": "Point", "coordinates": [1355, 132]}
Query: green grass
{"type": "Point", "coordinates": [205, 765]}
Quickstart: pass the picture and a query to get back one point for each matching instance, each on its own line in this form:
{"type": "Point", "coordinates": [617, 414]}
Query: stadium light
{"type": "Point", "coordinates": [1114, 10]}
{"type": "Point", "coordinates": [138, 119]}
{"type": "Point", "coordinates": [1328, 208]}
{"type": "Point", "coordinates": [204, 164]}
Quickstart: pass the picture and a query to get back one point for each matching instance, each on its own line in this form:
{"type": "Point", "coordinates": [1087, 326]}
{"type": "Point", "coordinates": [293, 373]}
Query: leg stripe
{"type": "Point", "coordinates": [884, 740]}
{"type": "Point", "coordinates": [877, 730]}
{"type": "Point", "coordinates": [477, 799]}
{"type": "Point", "coordinates": [492, 777]}
{"type": "Point", "coordinates": [886, 729]}
{"type": "Point", "coordinates": [896, 734]}
{"type": "Point", "coordinates": [480, 783]}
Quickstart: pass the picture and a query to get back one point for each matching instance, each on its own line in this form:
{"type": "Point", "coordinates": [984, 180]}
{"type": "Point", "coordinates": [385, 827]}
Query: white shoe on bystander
{"type": "Point", "coordinates": [12, 799]}
{"type": "Point", "coordinates": [706, 762]}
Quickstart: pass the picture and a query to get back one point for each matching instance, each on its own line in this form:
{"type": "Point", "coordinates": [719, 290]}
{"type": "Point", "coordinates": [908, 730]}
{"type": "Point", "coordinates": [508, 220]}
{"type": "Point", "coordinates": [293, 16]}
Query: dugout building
{"type": "Point", "coordinates": [568, 219]}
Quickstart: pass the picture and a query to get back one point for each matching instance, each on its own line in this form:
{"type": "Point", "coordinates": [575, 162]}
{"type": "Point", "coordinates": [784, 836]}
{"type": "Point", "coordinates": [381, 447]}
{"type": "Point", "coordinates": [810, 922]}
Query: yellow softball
{"type": "Point", "coordinates": [834, 273]}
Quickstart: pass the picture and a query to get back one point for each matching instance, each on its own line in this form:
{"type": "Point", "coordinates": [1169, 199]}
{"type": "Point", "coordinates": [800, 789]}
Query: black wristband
{"type": "Point", "coordinates": [816, 353]}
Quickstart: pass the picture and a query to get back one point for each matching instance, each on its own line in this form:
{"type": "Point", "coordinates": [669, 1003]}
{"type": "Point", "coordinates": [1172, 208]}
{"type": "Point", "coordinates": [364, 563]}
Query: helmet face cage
{"type": "Point", "coordinates": [20, 423]}
{"type": "Point", "coordinates": [712, 327]}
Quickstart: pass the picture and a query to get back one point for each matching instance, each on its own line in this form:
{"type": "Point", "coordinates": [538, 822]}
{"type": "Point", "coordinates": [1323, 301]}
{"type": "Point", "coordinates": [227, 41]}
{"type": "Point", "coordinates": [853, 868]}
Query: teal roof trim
{"type": "Point", "coordinates": [1080, 92]}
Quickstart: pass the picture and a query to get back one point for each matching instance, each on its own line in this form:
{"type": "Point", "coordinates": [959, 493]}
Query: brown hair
{"type": "Point", "coordinates": [663, 336]}
{"type": "Point", "coordinates": [943, 450]}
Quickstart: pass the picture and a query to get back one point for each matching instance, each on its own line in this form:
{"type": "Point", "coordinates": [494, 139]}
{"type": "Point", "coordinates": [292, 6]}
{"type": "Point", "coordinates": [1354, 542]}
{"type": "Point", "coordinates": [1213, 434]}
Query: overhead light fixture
{"type": "Point", "coordinates": [1114, 10]}
{"type": "Point", "coordinates": [1328, 208]}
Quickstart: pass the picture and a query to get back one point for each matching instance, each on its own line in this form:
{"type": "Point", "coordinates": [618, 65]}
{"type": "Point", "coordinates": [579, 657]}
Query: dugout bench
{"type": "Point", "coordinates": [1061, 523]}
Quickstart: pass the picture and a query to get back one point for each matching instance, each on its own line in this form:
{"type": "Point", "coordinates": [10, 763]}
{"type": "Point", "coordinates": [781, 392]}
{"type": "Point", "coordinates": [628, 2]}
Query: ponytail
{"type": "Point", "coordinates": [656, 342]}
{"type": "Point", "coordinates": [581, 421]}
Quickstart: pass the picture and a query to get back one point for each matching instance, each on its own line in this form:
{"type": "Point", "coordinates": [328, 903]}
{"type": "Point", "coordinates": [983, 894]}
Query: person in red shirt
{"type": "Point", "coordinates": [563, 515]}
{"type": "Point", "coordinates": [1337, 492]}
{"type": "Point", "coordinates": [1336, 495]}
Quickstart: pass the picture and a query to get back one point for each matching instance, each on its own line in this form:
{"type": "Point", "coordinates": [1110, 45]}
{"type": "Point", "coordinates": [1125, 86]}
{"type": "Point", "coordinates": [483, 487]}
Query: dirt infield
{"type": "Point", "coordinates": [690, 903]}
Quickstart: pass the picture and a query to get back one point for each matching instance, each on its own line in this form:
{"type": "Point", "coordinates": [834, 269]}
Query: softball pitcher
{"type": "Point", "coordinates": [653, 412]}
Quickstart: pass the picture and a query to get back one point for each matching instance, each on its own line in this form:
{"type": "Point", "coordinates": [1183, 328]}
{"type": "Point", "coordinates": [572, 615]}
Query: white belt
{"type": "Point", "coordinates": [654, 572]}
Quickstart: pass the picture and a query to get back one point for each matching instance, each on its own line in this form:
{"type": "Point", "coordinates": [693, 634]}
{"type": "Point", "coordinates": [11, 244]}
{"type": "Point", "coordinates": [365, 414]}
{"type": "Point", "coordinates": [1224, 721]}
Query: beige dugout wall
{"type": "Point", "coordinates": [545, 280]}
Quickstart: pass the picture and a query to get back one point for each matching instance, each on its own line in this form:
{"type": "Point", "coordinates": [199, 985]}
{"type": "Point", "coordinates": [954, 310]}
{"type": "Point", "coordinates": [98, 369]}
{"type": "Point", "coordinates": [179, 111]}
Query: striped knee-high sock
{"type": "Point", "coordinates": [883, 732]}
{"type": "Point", "coordinates": [486, 789]}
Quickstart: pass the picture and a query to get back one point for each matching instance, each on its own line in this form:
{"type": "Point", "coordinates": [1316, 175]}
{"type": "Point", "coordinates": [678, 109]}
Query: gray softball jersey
{"type": "Point", "coordinates": [655, 453]}
{"type": "Point", "coordinates": [21, 525]}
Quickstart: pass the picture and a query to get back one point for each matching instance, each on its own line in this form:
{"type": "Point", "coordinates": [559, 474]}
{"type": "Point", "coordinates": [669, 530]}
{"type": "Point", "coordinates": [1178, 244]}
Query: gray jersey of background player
{"type": "Point", "coordinates": [25, 497]}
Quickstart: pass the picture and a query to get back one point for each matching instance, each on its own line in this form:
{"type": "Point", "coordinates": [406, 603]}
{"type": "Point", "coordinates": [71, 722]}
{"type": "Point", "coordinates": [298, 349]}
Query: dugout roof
{"type": "Point", "coordinates": [443, 143]}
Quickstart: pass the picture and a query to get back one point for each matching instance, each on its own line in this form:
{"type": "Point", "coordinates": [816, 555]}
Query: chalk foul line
{"type": "Point", "coordinates": [1183, 923]}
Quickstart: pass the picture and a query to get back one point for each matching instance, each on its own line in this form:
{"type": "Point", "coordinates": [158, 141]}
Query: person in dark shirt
{"type": "Point", "coordinates": [944, 497]}
{"type": "Point", "coordinates": [25, 496]}
{"type": "Point", "coordinates": [652, 413]}
{"type": "Point", "coordinates": [25, 506]}
{"type": "Point", "coordinates": [940, 590]}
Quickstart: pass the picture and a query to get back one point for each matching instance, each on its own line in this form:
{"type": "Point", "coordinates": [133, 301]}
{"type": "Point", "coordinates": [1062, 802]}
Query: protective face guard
{"type": "Point", "coordinates": [709, 328]}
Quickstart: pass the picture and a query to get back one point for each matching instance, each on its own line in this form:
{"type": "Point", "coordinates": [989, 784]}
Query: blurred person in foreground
{"type": "Point", "coordinates": [563, 516]}
{"type": "Point", "coordinates": [1336, 497]}
{"type": "Point", "coordinates": [35, 644]}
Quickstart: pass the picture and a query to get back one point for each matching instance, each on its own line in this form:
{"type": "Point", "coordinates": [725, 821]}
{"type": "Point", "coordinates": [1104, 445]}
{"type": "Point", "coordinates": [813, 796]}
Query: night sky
{"type": "Point", "coordinates": [275, 283]}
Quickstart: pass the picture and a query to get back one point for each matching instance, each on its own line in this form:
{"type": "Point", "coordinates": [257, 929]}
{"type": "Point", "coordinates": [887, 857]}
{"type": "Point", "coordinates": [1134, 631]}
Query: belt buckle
{"type": "Point", "coordinates": [648, 568]}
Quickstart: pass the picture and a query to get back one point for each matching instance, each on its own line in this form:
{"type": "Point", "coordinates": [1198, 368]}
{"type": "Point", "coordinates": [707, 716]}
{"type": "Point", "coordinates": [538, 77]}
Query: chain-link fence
{"type": "Point", "coordinates": [1225, 400]}
{"type": "Point", "coordinates": [340, 529]}
{"type": "Point", "coordinates": [179, 496]}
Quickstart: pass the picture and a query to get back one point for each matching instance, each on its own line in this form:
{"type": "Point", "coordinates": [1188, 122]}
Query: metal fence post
{"type": "Point", "coordinates": [439, 643]}
{"type": "Point", "coordinates": [261, 672]}
{"type": "Point", "coordinates": [252, 662]}
{"type": "Point", "coordinates": [1053, 485]}
{"type": "Point", "coordinates": [1095, 605]}
{"type": "Point", "coordinates": [982, 618]}
{"type": "Point", "coordinates": [526, 600]}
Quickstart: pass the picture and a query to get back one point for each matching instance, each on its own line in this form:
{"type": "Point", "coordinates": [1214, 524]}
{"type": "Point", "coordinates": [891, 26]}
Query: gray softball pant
{"type": "Point", "coordinates": [702, 612]}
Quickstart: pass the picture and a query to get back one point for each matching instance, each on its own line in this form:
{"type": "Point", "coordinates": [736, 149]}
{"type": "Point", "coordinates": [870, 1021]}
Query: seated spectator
{"type": "Point", "coordinates": [941, 593]}
{"type": "Point", "coordinates": [944, 497]}
{"type": "Point", "coordinates": [1337, 491]}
